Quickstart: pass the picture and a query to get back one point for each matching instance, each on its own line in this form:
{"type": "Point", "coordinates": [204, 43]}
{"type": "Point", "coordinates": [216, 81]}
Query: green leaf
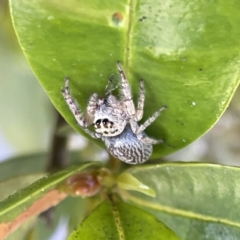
{"type": "Point", "coordinates": [12, 185]}
{"type": "Point", "coordinates": [187, 53]}
{"type": "Point", "coordinates": [23, 165]}
{"type": "Point", "coordinates": [121, 221]}
{"type": "Point", "coordinates": [30, 164]}
{"type": "Point", "coordinates": [24, 198]}
{"type": "Point", "coordinates": [198, 201]}
{"type": "Point", "coordinates": [127, 182]}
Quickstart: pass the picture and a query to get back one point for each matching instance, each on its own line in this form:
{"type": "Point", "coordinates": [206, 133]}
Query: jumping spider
{"type": "Point", "coordinates": [115, 121]}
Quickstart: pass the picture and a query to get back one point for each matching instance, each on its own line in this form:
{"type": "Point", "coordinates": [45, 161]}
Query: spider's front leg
{"type": "Point", "coordinates": [126, 91]}
{"type": "Point", "coordinates": [139, 113]}
{"type": "Point", "coordinates": [134, 116]}
{"type": "Point", "coordinates": [91, 108]}
{"type": "Point", "coordinates": [79, 116]}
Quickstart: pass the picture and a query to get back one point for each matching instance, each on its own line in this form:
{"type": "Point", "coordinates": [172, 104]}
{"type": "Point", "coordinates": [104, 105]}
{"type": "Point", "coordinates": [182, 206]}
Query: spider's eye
{"type": "Point", "coordinates": [98, 122]}
{"type": "Point", "coordinates": [105, 121]}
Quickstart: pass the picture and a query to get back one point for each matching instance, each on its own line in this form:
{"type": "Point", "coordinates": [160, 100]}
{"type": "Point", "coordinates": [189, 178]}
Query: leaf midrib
{"type": "Point", "coordinates": [132, 6]}
{"type": "Point", "coordinates": [178, 212]}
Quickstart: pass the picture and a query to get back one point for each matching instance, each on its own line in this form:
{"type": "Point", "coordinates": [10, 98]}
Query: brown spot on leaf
{"type": "Point", "coordinates": [117, 18]}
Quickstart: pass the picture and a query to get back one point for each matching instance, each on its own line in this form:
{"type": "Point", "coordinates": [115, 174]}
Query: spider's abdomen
{"type": "Point", "coordinates": [128, 148]}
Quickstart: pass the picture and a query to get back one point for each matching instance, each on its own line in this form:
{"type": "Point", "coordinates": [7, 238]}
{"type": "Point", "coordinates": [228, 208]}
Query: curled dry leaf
{"type": "Point", "coordinates": [51, 199]}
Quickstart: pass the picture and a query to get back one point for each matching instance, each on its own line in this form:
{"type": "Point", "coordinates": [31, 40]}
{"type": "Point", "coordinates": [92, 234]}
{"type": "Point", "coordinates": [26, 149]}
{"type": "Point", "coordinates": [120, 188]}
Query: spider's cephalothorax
{"type": "Point", "coordinates": [115, 121]}
{"type": "Point", "coordinates": [109, 116]}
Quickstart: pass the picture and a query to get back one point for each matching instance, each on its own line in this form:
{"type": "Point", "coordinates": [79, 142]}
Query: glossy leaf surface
{"type": "Point", "coordinates": [197, 201]}
{"type": "Point", "coordinates": [185, 51]}
{"type": "Point", "coordinates": [121, 221]}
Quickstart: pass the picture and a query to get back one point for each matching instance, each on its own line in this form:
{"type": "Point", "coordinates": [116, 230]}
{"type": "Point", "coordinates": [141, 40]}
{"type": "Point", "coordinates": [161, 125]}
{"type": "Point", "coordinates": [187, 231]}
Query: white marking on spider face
{"type": "Point", "coordinates": [105, 127]}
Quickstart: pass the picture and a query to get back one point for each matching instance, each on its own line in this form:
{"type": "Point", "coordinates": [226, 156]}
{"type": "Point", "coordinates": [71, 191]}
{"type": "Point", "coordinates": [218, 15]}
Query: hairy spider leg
{"type": "Point", "coordinates": [150, 120]}
{"type": "Point", "coordinates": [134, 115]}
{"type": "Point", "coordinates": [140, 106]}
{"type": "Point", "coordinates": [149, 140]}
{"type": "Point", "coordinates": [126, 90]}
{"type": "Point", "coordinates": [91, 108]}
{"type": "Point", "coordinates": [79, 116]}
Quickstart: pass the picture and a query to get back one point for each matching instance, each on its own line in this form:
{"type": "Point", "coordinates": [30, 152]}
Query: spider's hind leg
{"type": "Point", "coordinates": [150, 120]}
{"type": "Point", "coordinates": [148, 140]}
